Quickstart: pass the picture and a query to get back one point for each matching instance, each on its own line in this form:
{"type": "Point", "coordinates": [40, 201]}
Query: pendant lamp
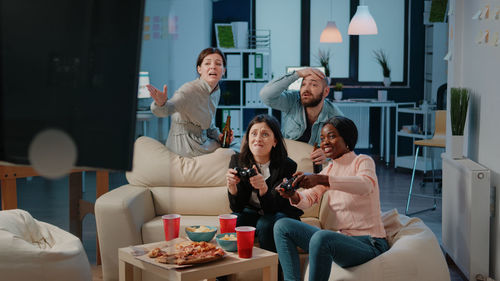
{"type": "Point", "coordinates": [362, 23]}
{"type": "Point", "coordinates": [331, 33]}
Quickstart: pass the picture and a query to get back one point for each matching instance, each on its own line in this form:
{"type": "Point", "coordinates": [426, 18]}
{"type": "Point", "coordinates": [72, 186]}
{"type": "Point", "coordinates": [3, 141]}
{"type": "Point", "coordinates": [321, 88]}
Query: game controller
{"type": "Point", "coordinates": [245, 173]}
{"type": "Point", "coordinates": [287, 185]}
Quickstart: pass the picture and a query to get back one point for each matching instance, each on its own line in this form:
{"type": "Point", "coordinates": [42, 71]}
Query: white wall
{"type": "Point", "coordinates": [282, 17]}
{"type": "Point", "coordinates": [476, 66]}
{"type": "Point", "coordinates": [154, 52]}
{"type": "Point", "coordinates": [172, 60]}
{"type": "Point", "coordinates": [194, 35]}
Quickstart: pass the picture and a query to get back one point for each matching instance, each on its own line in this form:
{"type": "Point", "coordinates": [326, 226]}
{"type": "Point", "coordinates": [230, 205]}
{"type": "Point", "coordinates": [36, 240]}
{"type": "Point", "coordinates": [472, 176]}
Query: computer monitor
{"type": "Point", "coordinates": [144, 98]}
{"type": "Point", "coordinates": [296, 85]}
{"type": "Point", "coordinates": [143, 92]}
{"type": "Point", "coordinates": [73, 66]}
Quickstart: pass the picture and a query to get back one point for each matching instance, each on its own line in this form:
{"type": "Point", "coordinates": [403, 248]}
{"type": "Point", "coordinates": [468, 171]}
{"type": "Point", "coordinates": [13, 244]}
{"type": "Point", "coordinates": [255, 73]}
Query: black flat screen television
{"type": "Point", "coordinates": [72, 65]}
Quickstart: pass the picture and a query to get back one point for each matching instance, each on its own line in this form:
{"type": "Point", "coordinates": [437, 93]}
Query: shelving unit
{"type": "Point", "coordinates": [248, 70]}
{"type": "Point", "coordinates": [436, 48]}
{"type": "Point", "coordinates": [420, 119]}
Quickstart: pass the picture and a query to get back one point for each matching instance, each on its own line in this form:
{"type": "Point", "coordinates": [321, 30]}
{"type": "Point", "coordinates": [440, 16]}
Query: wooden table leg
{"type": "Point", "coordinates": [75, 194]}
{"type": "Point", "coordinates": [126, 271]}
{"type": "Point", "coordinates": [270, 273]}
{"type": "Point", "coordinates": [102, 186]}
{"type": "Point", "coordinates": [102, 183]}
{"type": "Point", "coordinates": [9, 194]}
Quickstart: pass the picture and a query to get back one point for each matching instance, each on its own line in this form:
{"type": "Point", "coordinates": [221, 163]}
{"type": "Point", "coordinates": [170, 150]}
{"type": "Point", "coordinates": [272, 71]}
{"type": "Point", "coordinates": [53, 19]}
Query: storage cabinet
{"type": "Point", "coordinates": [248, 70]}
{"type": "Point", "coordinates": [418, 127]}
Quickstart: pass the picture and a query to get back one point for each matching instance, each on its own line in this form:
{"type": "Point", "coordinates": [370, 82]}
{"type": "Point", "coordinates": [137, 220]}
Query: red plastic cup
{"type": "Point", "coordinates": [245, 236]}
{"type": "Point", "coordinates": [171, 224]}
{"type": "Point", "coordinates": [227, 223]}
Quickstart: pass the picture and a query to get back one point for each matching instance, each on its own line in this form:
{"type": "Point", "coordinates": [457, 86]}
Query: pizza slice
{"type": "Point", "coordinates": [189, 253]}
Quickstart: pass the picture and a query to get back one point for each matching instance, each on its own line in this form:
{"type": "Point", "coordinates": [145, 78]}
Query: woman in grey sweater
{"type": "Point", "coordinates": [193, 106]}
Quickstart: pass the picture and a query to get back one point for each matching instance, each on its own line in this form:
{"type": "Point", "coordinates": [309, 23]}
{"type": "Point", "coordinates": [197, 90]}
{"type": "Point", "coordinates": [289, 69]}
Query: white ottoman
{"type": "Point", "coordinates": [34, 250]}
{"type": "Point", "coordinates": [414, 255]}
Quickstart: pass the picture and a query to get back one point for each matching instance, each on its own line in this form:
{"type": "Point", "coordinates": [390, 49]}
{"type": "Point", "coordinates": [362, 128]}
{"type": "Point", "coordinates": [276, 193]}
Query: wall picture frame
{"type": "Point", "coordinates": [225, 36]}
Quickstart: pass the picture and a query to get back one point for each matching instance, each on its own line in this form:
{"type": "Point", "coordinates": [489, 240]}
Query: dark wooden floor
{"type": "Point", "coordinates": [47, 200]}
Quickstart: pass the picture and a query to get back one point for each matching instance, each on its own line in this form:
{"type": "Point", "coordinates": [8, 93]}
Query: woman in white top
{"type": "Point", "coordinates": [193, 106]}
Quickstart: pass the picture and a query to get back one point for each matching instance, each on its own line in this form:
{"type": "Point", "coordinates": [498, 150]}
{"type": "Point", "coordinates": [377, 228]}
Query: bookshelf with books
{"type": "Point", "coordinates": [248, 70]}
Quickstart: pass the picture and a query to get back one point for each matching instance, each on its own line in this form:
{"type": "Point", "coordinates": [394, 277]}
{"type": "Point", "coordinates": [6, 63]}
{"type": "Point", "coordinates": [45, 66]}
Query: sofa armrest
{"type": "Point", "coordinates": [119, 216]}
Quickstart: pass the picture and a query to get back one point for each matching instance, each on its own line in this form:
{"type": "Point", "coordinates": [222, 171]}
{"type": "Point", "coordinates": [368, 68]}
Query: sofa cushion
{"type": "Point", "coordinates": [204, 201]}
{"type": "Point", "coordinates": [155, 165]}
{"type": "Point", "coordinates": [311, 221]}
{"type": "Point", "coordinates": [300, 152]}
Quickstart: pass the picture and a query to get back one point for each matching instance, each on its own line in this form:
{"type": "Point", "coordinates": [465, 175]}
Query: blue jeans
{"type": "Point", "coordinates": [323, 246]}
{"type": "Point", "coordinates": [263, 226]}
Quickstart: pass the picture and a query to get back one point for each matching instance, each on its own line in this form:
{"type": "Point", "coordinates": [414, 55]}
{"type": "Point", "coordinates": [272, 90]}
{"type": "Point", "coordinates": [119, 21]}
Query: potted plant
{"type": "Point", "coordinates": [337, 91]}
{"type": "Point", "coordinates": [459, 102]}
{"type": "Point", "coordinates": [324, 60]}
{"type": "Point", "coordinates": [382, 59]}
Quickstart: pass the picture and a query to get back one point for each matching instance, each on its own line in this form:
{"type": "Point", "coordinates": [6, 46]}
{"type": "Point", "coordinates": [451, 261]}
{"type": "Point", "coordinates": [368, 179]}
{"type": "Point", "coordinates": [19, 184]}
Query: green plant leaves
{"type": "Point", "coordinates": [459, 100]}
{"type": "Point", "coordinates": [324, 60]}
{"type": "Point", "coordinates": [438, 10]}
{"type": "Point", "coordinates": [382, 59]}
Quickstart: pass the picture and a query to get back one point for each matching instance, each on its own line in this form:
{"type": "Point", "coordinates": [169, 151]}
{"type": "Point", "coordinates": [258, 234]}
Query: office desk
{"type": "Point", "coordinates": [78, 208]}
{"type": "Point", "coordinates": [385, 121]}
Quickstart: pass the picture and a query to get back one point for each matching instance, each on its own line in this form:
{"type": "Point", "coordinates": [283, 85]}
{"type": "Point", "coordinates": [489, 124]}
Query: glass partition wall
{"type": "Point", "coordinates": [352, 61]}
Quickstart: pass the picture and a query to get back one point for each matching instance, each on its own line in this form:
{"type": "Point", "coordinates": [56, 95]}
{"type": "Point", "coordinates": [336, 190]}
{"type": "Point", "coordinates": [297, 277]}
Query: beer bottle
{"type": "Point", "coordinates": [317, 167]}
{"type": "Point", "coordinates": [226, 133]}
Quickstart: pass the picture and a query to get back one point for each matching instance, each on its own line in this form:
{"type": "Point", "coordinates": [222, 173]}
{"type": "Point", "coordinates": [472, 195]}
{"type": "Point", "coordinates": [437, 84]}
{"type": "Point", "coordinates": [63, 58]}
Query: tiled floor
{"type": "Point", "coordinates": [48, 201]}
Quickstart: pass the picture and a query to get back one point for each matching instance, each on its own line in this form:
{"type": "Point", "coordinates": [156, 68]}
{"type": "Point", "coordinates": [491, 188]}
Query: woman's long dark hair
{"type": "Point", "coordinates": [278, 153]}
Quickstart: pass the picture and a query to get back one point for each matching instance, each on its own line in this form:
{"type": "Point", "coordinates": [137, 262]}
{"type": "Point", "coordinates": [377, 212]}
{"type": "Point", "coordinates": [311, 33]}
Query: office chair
{"type": "Point", "coordinates": [438, 140]}
{"type": "Point", "coordinates": [441, 97]}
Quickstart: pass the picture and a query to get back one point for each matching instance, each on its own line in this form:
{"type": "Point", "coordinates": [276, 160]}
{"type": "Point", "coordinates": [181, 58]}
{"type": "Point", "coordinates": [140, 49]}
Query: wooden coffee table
{"type": "Point", "coordinates": [230, 264]}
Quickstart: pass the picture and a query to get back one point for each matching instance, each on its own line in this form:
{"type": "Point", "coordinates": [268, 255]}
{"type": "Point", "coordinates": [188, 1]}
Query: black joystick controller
{"type": "Point", "coordinates": [245, 173]}
{"type": "Point", "coordinates": [287, 185]}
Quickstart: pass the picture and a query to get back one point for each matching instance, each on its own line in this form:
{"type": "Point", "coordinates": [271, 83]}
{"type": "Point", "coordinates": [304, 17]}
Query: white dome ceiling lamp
{"type": "Point", "coordinates": [362, 23]}
{"type": "Point", "coordinates": [331, 33]}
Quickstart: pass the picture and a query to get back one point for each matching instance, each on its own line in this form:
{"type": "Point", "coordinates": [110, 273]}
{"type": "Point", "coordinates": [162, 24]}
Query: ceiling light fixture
{"type": "Point", "coordinates": [331, 33]}
{"type": "Point", "coordinates": [362, 23]}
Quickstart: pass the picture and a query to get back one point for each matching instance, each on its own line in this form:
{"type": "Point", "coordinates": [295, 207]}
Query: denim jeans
{"type": "Point", "coordinates": [263, 226]}
{"type": "Point", "coordinates": [323, 246]}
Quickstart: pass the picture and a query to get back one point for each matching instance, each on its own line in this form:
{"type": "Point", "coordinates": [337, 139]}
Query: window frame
{"type": "Point", "coordinates": [353, 79]}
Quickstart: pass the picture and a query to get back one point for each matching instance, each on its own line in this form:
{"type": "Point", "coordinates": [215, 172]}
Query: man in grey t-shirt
{"type": "Point", "coordinates": [305, 111]}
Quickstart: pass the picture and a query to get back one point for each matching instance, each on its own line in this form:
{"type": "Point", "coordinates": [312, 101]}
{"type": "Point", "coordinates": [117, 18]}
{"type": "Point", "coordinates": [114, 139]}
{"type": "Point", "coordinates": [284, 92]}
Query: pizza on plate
{"type": "Point", "coordinates": [188, 253]}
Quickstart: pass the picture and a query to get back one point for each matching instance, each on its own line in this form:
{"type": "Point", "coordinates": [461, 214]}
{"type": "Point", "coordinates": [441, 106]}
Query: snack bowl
{"type": "Point", "coordinates": [198, 236]}
{"type": "Point", "coordinates": [227, 245]}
